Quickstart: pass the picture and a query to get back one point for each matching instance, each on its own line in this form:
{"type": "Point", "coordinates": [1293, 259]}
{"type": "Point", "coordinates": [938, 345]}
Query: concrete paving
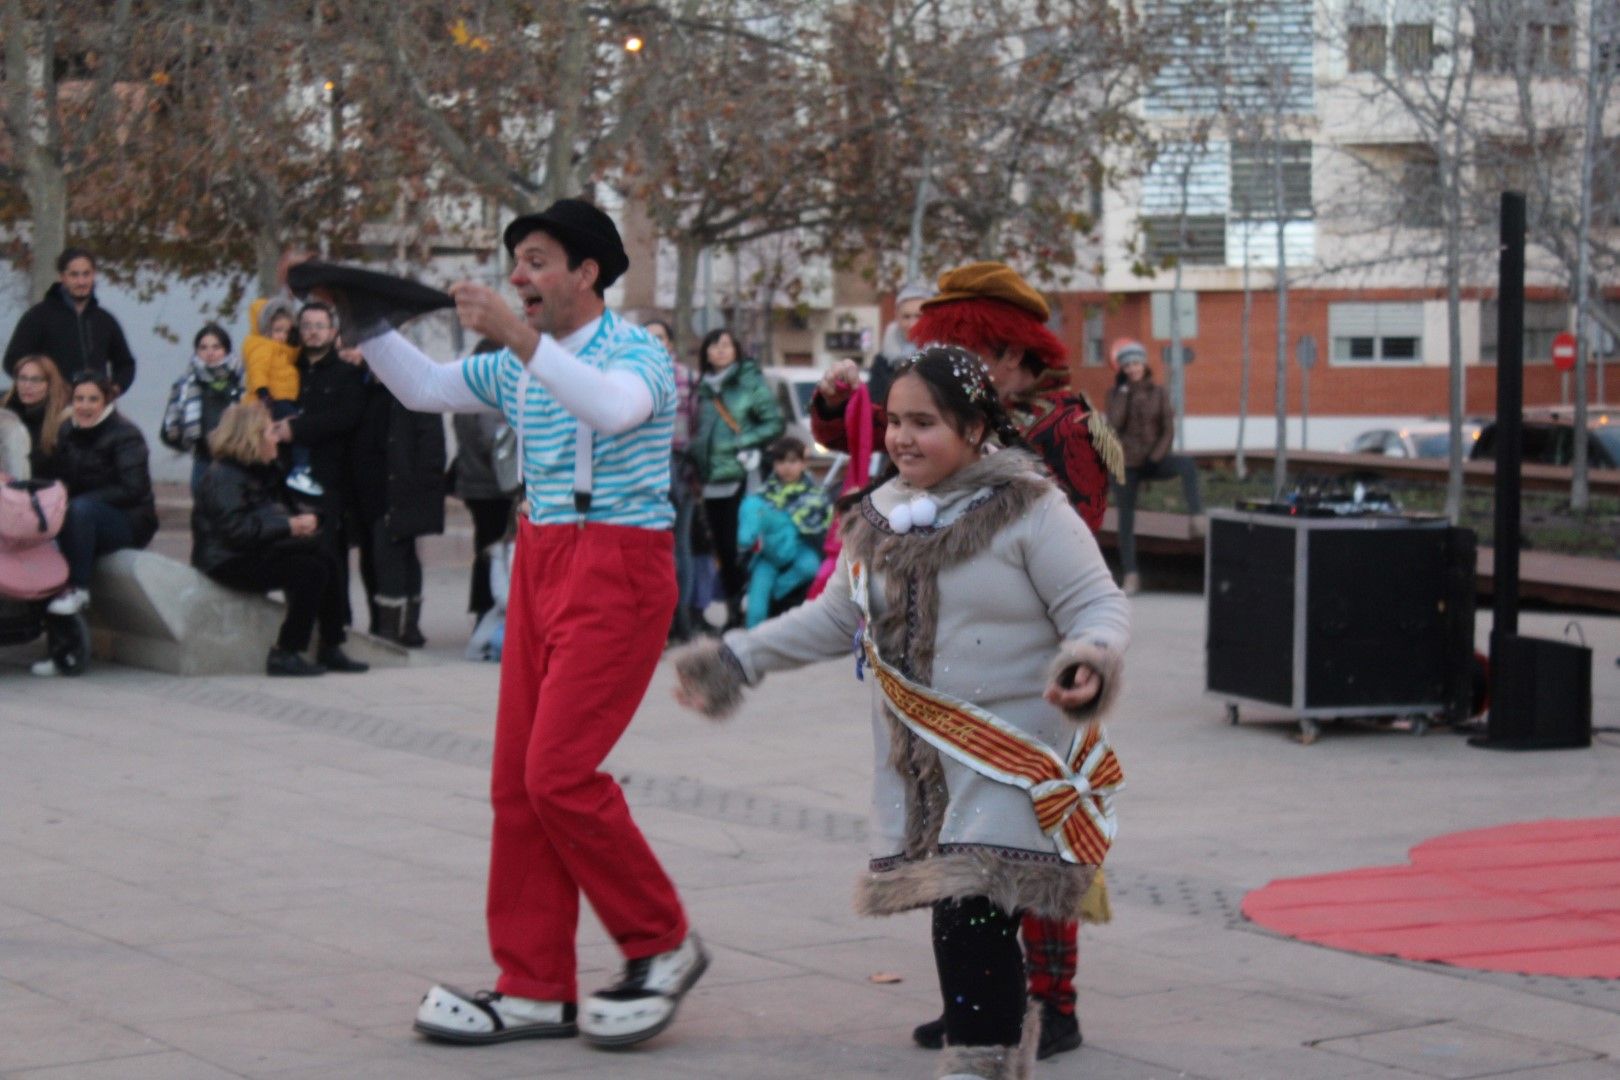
{"type": "Point", "coordinates": [239, 877]}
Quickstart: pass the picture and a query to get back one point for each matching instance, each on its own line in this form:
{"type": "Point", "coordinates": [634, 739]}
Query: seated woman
{"type": "Point", "coordinates": [101, 457]}
{"type": "Point", "coordinates": [39, 398]}
{"type": "Point", "coordinates": [246, 536]}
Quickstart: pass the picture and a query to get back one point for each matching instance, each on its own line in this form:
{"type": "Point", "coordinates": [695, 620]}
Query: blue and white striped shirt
{"type": "Point", "coordinates": [630, 471]}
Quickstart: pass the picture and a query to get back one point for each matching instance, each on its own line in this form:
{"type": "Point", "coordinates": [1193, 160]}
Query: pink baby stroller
{"type": "Point", "coordinates": [32, 571]}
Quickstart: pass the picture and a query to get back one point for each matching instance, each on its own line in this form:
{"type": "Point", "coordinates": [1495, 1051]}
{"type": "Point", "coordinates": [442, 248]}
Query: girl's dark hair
{"type": "Point", "coordinates": [960, 387]}
{"type": "Point", "coordinates": [708, 340]}
{"type": "Point", "coordinates": [100, 382]}
{"type": "Point", "coordinates": [669, 331]}
{"type": "Point", "coordinates": [213, 330]}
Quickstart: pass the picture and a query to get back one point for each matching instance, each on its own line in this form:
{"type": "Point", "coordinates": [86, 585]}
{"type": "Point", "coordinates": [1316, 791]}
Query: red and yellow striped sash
{"type": "Point", "coordinates": [1073, 794]}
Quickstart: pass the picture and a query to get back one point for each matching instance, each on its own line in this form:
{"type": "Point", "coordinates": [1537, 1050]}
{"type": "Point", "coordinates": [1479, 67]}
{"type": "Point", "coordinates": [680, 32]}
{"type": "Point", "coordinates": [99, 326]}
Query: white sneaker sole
{"type": "Point", "coordinates": [620, 1040]}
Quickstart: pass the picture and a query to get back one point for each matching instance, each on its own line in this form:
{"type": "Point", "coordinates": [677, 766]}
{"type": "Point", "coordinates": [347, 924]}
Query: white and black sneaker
{"type": "Point", "coordinates": [451, 1015]}
{"type": "Point", "coordinates": [643, 1002]}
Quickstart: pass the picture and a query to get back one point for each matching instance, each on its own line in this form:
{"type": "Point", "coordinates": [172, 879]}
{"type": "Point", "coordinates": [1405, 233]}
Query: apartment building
{"type": "Point", "coordinates": [1289, 141]}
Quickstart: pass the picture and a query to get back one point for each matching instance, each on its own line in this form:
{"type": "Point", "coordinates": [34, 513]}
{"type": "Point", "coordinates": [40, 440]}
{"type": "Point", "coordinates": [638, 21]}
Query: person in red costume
{"type": "Point", "coordinates": [988, 308]}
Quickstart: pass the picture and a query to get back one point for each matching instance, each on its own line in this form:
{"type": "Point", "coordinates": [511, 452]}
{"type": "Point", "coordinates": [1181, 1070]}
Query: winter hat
{"type": "Point", "coordinates": [584, 230]}
{"type": "Point", "coordinates": [1127, 351]}
{"type": "Point", "coordinates": [987, 307]}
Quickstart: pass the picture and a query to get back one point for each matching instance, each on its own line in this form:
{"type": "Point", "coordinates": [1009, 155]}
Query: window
{"type": "Point", "coordinates": [1186, 313]}
{"type": "Point", "coordinates": [1200, 241]}
{"type": "Point", "coordinates": [1414, 48]}
{"type": "Point", "coordinates": [1366, 52]}
{"type": "Point", "coordinates": [1543, 321]}
{"type": "Point", "coordinates": [1529, 35]}
{"type": "Point", "coordinates": [1254, 188]}
{"type": "Point", "coordinates": [1094, 353]}
{"type": "Point", "coordinates": [1376, 333]}
{"type": "Point", "coordinates": [1225, 53]}
{"type": "Point", "coordinates": [1421, 194]}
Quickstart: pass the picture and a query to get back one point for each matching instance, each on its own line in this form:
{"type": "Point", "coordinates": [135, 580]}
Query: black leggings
{"type": "Point", "coordinates": [981, 972]}
{"type": "Point", "coordinates": [308, 575]}
{"type": "Point", "coordinates": [722, 517]}
{"type": "Point", "coordinates": [490, 518]}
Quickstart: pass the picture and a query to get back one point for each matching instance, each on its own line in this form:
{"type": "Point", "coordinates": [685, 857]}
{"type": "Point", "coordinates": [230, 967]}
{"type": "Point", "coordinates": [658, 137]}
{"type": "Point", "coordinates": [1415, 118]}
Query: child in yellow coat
{"type": "Point", "coordinates": [270, 363]}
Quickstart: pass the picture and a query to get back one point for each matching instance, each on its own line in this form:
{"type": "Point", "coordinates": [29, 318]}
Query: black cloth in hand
{"type": "Point", "coordinates": [368, 303]}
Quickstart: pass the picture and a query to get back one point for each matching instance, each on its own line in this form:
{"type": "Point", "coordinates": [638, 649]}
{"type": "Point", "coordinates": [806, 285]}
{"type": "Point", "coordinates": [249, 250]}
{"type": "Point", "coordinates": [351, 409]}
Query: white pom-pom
{"type": "Point", "coordinates": [900, 518]}
{"type": "Point", "coordinates": [924, 511]}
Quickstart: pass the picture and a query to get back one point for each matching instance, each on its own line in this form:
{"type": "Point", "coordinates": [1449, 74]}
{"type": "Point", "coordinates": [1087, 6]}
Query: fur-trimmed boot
{"type": "Point", "coordinates": [995, 1062]}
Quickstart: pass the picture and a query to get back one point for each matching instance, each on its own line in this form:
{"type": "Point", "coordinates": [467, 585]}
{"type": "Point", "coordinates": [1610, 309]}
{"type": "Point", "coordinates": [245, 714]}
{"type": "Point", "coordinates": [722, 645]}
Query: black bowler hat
{"type": "Point", "coordinates": [582, 229]}
{"type": "Point", "coordinates": [368, 303]}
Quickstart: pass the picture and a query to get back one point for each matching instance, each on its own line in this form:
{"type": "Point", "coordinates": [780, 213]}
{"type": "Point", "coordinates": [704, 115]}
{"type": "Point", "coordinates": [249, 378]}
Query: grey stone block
{"type": "Point", "coordinates": [150, 611]}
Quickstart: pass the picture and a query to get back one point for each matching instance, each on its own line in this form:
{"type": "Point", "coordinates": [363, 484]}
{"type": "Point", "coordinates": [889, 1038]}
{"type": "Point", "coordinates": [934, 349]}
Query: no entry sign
{"type": "Point", "coordinates": [1563, 351]}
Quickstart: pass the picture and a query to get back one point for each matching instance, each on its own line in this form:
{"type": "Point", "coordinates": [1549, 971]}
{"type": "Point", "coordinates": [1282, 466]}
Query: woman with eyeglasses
{"type": "Point", "coordinates": [39, 397]}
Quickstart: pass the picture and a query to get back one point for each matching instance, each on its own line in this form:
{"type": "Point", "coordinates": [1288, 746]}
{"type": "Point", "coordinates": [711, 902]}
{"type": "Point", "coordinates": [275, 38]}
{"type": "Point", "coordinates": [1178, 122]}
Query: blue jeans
{"type": "Point", "coordinates": [91, 529]}
{"type": "Point", "coordinates": [1125, 498]}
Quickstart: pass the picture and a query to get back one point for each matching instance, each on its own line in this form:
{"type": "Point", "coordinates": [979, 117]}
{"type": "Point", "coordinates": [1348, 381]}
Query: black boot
{"type": "Point", "coordinates": [411, 635]}
{"type": "Point", "coordinates": [1060, 1031]}
{"type": "Point", "coordinates": [734, 615]}
{"type": "Point", "coordinates": [287, 662]}
{"type": "Point", "coordinates": [930, 1036]}
{"type": "Point", "coordinates": [333, 658]}
{"type": "Point", "coordinates": [390, 624]}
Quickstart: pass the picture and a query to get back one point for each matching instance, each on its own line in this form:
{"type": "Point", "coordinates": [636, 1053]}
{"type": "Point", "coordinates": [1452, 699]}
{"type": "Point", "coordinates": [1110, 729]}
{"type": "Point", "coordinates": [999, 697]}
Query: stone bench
{"type": "Point", "coordinates": [150, 611]}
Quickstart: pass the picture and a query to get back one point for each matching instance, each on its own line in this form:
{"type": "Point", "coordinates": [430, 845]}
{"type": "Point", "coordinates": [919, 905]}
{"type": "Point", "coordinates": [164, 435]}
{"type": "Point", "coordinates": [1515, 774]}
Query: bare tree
{"type": "Point", "coordinates": [1418, 80]}
{"type": "Point", "coordinates": [1563, 73]}
{"type": "Point", "coordinates": [56, 130]}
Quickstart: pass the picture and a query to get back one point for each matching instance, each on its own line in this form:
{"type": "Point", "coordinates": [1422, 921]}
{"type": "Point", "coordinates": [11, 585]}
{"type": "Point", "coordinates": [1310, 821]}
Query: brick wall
{"type": "Point", "coordinates": [1213, 377]}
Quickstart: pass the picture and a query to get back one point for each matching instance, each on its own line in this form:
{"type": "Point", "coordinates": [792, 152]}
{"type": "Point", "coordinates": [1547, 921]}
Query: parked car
{"type": "Point", "coordinates": [1430, 440]}
{"type": "Point", "coordinates": [1549, 437]}
{"type": "Point", "coordinates": [793, 387]}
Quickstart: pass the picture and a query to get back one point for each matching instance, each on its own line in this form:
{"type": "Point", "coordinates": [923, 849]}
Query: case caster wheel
{"type": "Point", "coordinates": [1309, 731]}
{"type": "Point", "coordinates": [1231, 713]}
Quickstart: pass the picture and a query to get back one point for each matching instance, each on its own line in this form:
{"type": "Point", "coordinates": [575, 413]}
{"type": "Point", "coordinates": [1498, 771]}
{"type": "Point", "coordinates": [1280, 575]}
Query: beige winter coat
{"type": "Point", "coordinates": [1007, 585]}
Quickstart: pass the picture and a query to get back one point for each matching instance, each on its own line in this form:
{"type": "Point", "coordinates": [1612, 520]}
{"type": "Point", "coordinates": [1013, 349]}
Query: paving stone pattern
{"type": "Point", "coordinates": [234, 877]}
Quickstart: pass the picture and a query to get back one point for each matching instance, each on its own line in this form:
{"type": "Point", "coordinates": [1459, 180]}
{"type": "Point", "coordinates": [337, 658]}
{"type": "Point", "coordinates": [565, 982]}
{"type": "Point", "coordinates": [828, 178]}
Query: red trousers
{"type": "Point", "coordinates": [589, 612]}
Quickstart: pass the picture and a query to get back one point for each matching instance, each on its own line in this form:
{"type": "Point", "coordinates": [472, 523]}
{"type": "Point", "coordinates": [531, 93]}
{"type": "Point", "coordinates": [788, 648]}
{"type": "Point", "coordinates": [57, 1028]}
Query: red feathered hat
{"type": "Point", "coordinates": [986, 307]}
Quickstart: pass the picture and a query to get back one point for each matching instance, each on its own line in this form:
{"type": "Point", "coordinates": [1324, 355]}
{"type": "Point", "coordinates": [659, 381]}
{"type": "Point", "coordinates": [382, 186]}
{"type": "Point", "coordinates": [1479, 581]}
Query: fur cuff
{"type": "Point", "coordinates": [714, 672]}
{"type": "Point", "coordinates": [997, 1062]}
{"type": "Point", "coordinates": [1051, 890]}
{"type": "Point", "coordinates": [1106, 662]}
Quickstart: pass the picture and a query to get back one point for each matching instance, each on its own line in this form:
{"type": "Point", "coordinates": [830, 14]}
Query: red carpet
{"type": "Point", "coordinates": [1541, 898]}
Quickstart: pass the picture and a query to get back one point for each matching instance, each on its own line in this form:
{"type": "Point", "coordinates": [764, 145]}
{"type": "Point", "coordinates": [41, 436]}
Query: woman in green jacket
{"type": "Point", "coordinates": [737, 419]}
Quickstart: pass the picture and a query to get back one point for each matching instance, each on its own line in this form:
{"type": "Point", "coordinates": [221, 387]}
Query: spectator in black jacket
{"type": "Point", "coordinates": [331, 403]}
{"type": "Point", "coordinates": [396, 474]}
{"type": "Point", "coordinates": [72, 329]}
{"type": "Point", "coordinates": [246, 534]}
{"type": "Point", "coordinates": [101, 457]}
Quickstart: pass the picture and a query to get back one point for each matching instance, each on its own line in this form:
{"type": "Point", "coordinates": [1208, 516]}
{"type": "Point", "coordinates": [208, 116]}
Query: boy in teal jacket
{"type": "Point", "coordinates": [784, 524]}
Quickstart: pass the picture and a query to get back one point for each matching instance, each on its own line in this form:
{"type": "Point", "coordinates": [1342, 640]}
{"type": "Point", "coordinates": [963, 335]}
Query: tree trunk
{"type": "Point", "coordinates": [572, 91]}
{"type": "Point", "coordinates": [31, 120]}
{"type": "Point", "coordinates": [46, 186]}
{"type": "Point", "coordinates": [687, 251]}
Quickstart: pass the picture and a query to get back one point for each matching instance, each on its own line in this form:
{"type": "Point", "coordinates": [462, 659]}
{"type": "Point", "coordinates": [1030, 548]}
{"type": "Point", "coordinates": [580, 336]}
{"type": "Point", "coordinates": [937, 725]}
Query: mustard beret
{"type": "Point", "coordinates": [989, 281]}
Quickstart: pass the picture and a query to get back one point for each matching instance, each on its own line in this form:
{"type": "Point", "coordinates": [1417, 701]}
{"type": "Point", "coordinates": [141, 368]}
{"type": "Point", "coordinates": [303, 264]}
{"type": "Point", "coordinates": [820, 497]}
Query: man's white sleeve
{"type": "Point", "coordinates": [417, 380]}
{"type": "Point", "coordinates": [608, 402]}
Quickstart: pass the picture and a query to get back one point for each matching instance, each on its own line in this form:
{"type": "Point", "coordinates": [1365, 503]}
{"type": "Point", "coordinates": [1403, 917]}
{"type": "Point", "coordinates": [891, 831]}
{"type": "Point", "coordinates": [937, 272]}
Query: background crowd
{"type": "Point", "coordinates": [299, 455]}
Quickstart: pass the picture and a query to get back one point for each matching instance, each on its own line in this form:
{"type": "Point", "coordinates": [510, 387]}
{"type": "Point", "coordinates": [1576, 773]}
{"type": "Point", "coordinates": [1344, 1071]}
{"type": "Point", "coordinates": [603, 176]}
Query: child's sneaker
{"type": "Point", "coordinates": [303, 483]}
